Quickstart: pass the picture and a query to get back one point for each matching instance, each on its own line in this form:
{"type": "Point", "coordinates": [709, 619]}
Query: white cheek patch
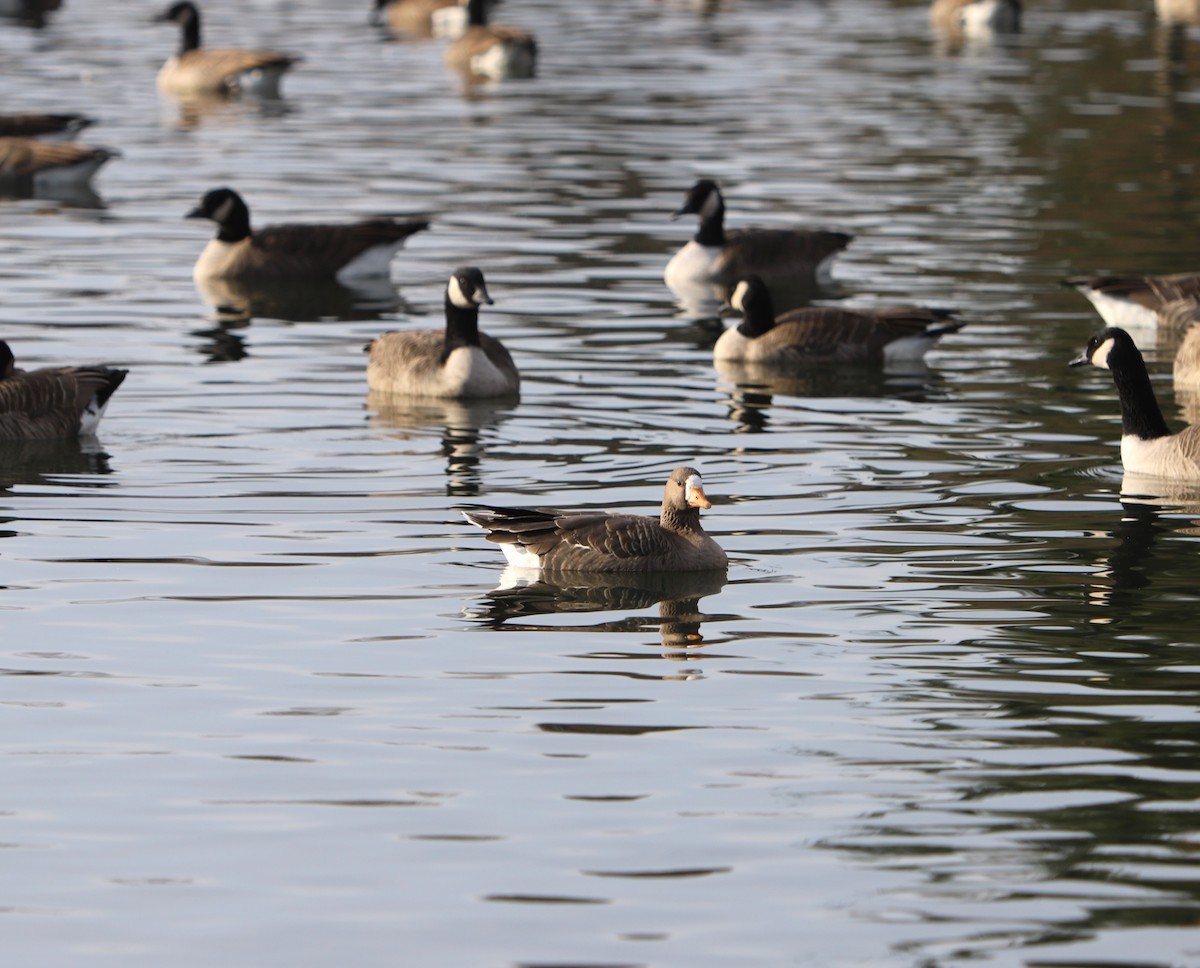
{"type": "Point", "coordinates": [224, 210]}
{"type": "Point", "coordinates": [1100, 357]}
{"type": "Point", "coordinates": [738, 295]}
{"type": "Point", "coordinates": [712, 205]}
{"type": "Point", "coordinates": [457, 296]}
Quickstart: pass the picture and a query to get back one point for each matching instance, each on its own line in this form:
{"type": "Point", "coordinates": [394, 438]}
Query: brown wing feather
{"type": "Point", "coordinates": [1149, 291]}
{"type": "Point", "coordinates": [321, 249]}
{"type": "Point", "coordinates": [22, 157]}
{"type": "Point", "coordinates": [32, 125]}
{"type": "Point", "coordinates": [48, 403]}
{"type": "Point", "coordinates": [826, 333]}
{"type": "Point", "coordinates": [765, 252]}
{"type": "Point", "coordinates": [228, 61]}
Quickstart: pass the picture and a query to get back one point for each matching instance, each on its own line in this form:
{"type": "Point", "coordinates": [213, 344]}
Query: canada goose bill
{"type": "Point", "coordinates": [55, 402]}
{"type": "Point", "coordinates": [491, 52]}
{"type": "Point", "coordinates": [459, 362]}
{"type": "Point", "coordinates": [820, 335]}
{"type": "Point", "coordinates": [975, 20]}
{"type": "Point", "coordinates": [1178, 11]}
{"type": "Point", "coordinates": [356, 250]}
{"type": "Point", "coordinates": [1148, 447]}
{"type": "Point", "coordinates": [226, 71]}
{"type": "Point", "coordinates": [558, 541]}
{"type": "Point", "coordinates": [48, 127]}
{"type": "Point", "coordinates": [422, 18]}
{"type": "Point", "coordinates": [1134, 302]}
{"type": "Point", "coordinates": [721, 257]}
{"type": "Point", "coordinates": [30, 166]}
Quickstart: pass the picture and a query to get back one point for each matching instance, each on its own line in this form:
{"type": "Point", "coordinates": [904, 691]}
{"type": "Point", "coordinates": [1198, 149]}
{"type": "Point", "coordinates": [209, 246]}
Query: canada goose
{"type": "Point", "coordinates": [1148, 447]}
{"type": "Point", "coordinates": [1133, 302]}
{"type": "Point", "coordinates": [62, 127]}
{"type": "Point", "coordinates": [459, 361]}
{"type": "Point", "coordinates": [1178, 11]}
{"type": "Point", "coordinates": [492, 51]}
{"type": "Point", "coordinates": [61, 401]}
{"type": "Point", "coordinates": [1186, 312]}
{"type": "Point", "coordinates": [422, 18]}
{"type": "Point", "coordinates": [28, 165]}
{"type": "Point", "coordinates": [826, 334]}
{"type": "Point", "coordinates": [307, 252]}
{"type": "Point", "coordinates": [975, 19]}
{"type": "Point", "coordinates": [228, 70]}
{"type": "Point", "coordinates": [598, 541]}
{"type": "Point", "coordinates": [716, 256]}
{"type": "Point", "coordinates": [29, 12]}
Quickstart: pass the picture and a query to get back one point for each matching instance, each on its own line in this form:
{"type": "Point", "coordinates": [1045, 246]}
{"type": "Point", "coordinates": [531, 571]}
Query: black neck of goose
{"type": "Point", "coordinates": [712, 229]}
{"type": "Point", "coordinates": [477, 13]}
{"type": "Point", "coordinates": [758, 315]}
{"type": "Point", "coordinates": [680, 519]}
{"type": "Point", "coordinates": [1141, 416]}
{"type": "Point", "coordinates": [462, 328]}
{"type": "Point", "coordinates": [190, 34]}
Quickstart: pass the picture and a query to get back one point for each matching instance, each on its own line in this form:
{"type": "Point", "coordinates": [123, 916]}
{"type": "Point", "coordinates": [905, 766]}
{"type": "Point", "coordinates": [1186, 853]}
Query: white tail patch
{"type": "Point", "coordinates": [1121, 312]}
{"type": "Point", "coordinates": [375, 261]}
{"type": "Point", "coordinates": [89, 420]}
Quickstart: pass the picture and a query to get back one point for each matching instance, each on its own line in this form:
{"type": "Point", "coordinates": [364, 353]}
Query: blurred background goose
{"type": "Point", "coordinates": [459, 361]}
{"type": "Point", "coordinates": [1178, 11]}
{"type": "Point", "coordinates": [308, 252]}
{"type": "Point", "coordinates": [598, 541]}
{"type": "Point", "coordinates": [826, 334]}
{"type": "Point", "coordinates": [715, 255]}
{"type": "Point", "coordinates": [49, 127]}
{"type": "Point", "coordinates": [1186, 313]}
{"type": "Point", "coordinates": [422, 18]}
{"type": "Point", "coordinates": [29, 166]}
{"type": "Point", "coordinates": [229, 70]}
{"type": "Point", "coordinates": [491, 51]}
{"type": "Point", "coordinates": [54, 402]}
{"type": "Point", "coordinates": [975, 20]}
{"type": "Point", "coordinates": [1148, 447]}
{"type": "Point", "coordinates": [1134, 302]}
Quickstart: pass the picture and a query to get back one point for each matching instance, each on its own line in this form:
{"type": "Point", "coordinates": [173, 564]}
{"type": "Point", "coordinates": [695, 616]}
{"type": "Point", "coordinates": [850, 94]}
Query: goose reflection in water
{"type": "Point", "coordinates": [43, 461]}
{"type": "Point", "coordinates": [521, 595]}
{"type": "Point", "coordinates": [462, 425]}
{"type": "Point", "coordinates": [299, 301]}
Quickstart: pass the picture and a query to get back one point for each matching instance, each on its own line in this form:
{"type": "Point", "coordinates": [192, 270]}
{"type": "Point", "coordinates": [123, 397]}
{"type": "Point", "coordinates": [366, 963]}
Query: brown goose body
{"type": "Point", "coordinates": [1178, 11]}
{"type": "Point", "coordinates": [975, 19]}
{"type": "Point", "coordinates": [556, 541]}
{"type": "Point", "coordinates": [491, 51]}
{"type": "Point", "coordinates": [53, 402]}
{"type": "Point", "coordinates": [411, 18]}
{"type": "Point", "coordinates": [63, 126]}
{"type": "Point", "coordinates": [1185, 313]}
{"type": "Point", "coordinates": [1135, 301]}
{"type": "Point", "coordinates": [27, 164]}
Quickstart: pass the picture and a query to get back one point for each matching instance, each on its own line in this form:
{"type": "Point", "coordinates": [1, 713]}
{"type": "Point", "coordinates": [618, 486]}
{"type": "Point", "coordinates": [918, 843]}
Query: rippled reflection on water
{"type": "Point", "coordinates": [264, 690]}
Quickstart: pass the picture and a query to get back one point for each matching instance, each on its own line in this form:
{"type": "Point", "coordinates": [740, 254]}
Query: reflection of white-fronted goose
{"type": "Point", "coordinates": [458, 361]}
{"type": "Point", "coordinates": [1134, 301]}
{"type": "Point", "coordinates": [555, 540]}
{"type": "Point", "coordinates": [1147, 445]}
{"type": "Point", "coordinates": [50, 126]}
{"type": "Point", "coordinates": [225, 70]}
{"type": "Point", "coordinates": [309, 252]}
{"type": "Point", "coordinates": [975, 19]}
{"type": "Point", "coordinates": [826, 334]}
{"type": "Point", "coordinates": [715, 255]}
{"type": "Point", "coordinates": [63, 401]}
{"type": "Point", "coordinates": [493, 51]}
{"type": "Point", "coordinates": [27, 164]}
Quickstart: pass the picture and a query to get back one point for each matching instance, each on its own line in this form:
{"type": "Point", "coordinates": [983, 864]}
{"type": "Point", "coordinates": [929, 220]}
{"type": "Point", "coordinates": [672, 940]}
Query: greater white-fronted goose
{"type": "Point", "coordinates": [715, 255]}
{"type": "Point", "coordinates": [29, 165]}
{"type": "Point", "coordinates": [226, 70]}
{"type": "Point", "coordinates": [61, 401]}
{"type": "Point", "coordinates": [1178, 11]}
{"type": "Point", "coordinates": [458, 362]}
{"type": "Point", "coordinates": [555, 540]}
{"type": "Point", "coordinates": [975, 19]}
{"type": "Point", "coordinates": [308, 252]}
{"type": "Point", "coordinates": [491, 51]}
{"type": "Point", "coordinates": [1133, 302]}
{"type": "Point", "coordinates": [826, 334]}
{"type": "Point", "coordinates": [1180, 314]}
{"type": "Point", "coordinates": [51, 127]}
{"type": "Point", "coordinates": [1148, 447]}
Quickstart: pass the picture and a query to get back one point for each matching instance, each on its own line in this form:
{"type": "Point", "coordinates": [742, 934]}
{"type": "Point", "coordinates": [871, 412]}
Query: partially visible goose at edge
{"type": "Point", "coordinates": [826, 334]}
{"type": "Point", "coordinates": [491, 51]}
{"type": "Point", "coordinates": [975, 20]}
{"type": "Point", "coordinates": [555, 540]}
{"type": "Point", "coordinates": [1178, 11]}
{"type": "Point", "coordinates": [306, 252]}
{"type": "Point", "coordinates": [459, 361]}
{"type": "Point", "coordinates": [1133, 302]}
{"type": "Point", "coordinates": [54, 402]}
{"type": "Point", "coordinates": [51, 127]}
{"type": "Point", "coordinates": [28, 165]}
{"type": "Point", "coordinates": [718, 256]}
{"type": "Point", "coordinates": [422, 18]}
{"type": "Point", "coordinates": [229, 70]}
{"type": "Point", "coordinates": [1186, 313]}
{"type": "Point", "coordinates": [1148, 447]}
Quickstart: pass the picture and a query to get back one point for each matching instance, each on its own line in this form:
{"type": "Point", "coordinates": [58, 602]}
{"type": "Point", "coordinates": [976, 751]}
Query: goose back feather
{"type": "Point", "coordinates": [1135, 301]}
{"type": "Point", "coordinates": [28, 164]}
{"type": "Point", "coordinates": [53, 402]}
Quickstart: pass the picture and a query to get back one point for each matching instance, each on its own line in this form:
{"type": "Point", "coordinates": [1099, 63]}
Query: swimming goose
{"type": "Point", "coordinates": [1133, 302]}
{"type": "Point", "coordinates": [308, 252]}
{"type": "Point", "coordinates": [228, 70]}
{"type": "Point", "coordinates": [422, 18]}
{"type": "Point", "coordinates": [459, 362]}
{"type": "Point", "coordinates": [50, 126]}
{"type": "Point", "coordinates": [29, 165]}
{"type": "Point", "coordinates": [598, 541]}
{"type": "Point", "coordinates": [1178, 11]}
{"type": "Point", "coordinates": [826, 334]}
{"type": "Point", "coordinates": [717, 256]}
{"type": "Point", "coordinates": [976, 19]}
{"type": "Point", "coordinates": [1181, 313]}
{"type": "Point", "coordinates": [491, 51]}
{"type": "Point", "coordinates": [62, 401]}
{"type": "Point", "coordinates": [1148, 447]}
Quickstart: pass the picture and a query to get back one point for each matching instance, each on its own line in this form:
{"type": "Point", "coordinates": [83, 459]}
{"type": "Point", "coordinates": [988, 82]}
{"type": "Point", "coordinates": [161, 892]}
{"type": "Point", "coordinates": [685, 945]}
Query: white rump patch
{"type": "Point", "coordinates": [89, 420]}
{"type": "Point", "coordinates": [1121, 312]}
{"type": "Point", "coordinates": [521, 557]}
{"type": "Point", "coordinates": [375, 261]}
{"type": "Point", "coordinates": [907, 349]}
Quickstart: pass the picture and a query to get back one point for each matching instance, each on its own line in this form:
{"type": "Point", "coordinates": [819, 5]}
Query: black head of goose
{"type": "Point", "coordinates": [1147, 445]}
{"type": "Point", "coordinates": [975, 20]}
{"type": "Point", "coordinates": [598, 541]}
{"type": "Point", "coordinates": [307, 251]}
{"type": "Point", "coordinates": [490, 51]}
{"type": "Point", "coordinates": [826, 334]}
{"type": "Point", "coordinates": [1133, 302]}
{"type": "Point", "coordinates": [52, 127]}
{"type": "Point", "coordinates": [226, 70]}
{"type": "Point", "coordinates": [458, 362]}
{"type": "Point", "coordinates": [29, 165]}
{"type": "Point", "coordinates": [715, 255]}
{"type": "Point", "coordinates": [54, 402]}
